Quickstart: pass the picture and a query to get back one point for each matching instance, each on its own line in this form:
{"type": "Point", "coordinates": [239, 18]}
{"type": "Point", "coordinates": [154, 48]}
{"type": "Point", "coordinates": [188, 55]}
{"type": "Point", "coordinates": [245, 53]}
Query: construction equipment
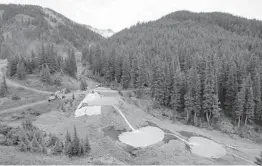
{"type": "Point", "coordinates": [57, 95]}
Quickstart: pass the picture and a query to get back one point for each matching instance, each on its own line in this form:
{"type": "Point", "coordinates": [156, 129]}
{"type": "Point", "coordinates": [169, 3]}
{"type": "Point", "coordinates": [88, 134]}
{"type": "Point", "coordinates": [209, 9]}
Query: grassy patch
{"type": "Point", "coordinates": [20, 96]}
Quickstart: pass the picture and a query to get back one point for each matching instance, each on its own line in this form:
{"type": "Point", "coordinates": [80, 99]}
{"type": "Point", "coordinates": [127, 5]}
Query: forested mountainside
{"type": "Point", "coordinates": [33, 37]}
{"type": "Point", "coordinates": [203, 65]}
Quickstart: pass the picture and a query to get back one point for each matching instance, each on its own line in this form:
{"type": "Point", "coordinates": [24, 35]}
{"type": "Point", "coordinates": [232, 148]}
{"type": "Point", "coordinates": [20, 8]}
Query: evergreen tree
{"type": "Point", "coordinates": [21, 72]}
{"type": "Point", "coordinates": [176, 91]}
{"type": "Point", "coordinates": [71, 67]}
{"type": "Point", "coordinates": [249, 100]}
{"type": "Point", "coordinates": [108, 72]}
{"type": "Point", "coordinates": [125, 79]}
{"type": "Point", "coordinates": [141, 77]}
{"type": "Point", "coordinates": [82, 148]}
{"type": "Point", "coordinates": [189, 104]}
{"type": "Point", "coordinates": [45, 74]}
{"type": "Point", "coordinates": [35, 147]}
{"type": "Point", "coordinates": [208, 100]}
{"type": "Point", "coordinates": [196, 96]}
{"type": "Point", "coordinates": [83, 85]}
{"type": "Point", "coordinates": [87, 147]}
{"type": "Point", "coordinates": [58, 148]}
{"type": "Point", "coordinates": [50, 58]}
{"type": "Point", "coordinates": [68, 140]}
{"type": "Point", "coordinates": [119, 67]}
{"type": "Point", "coordinates": [12, 67]}
{"type": "Point", "coordinates": [231, 88]}
{"type": "Point", "coordinates": [216, 110]}
{"type": "Point", "coordinates": [3, 88]}
{"type": "Point", "coordinates": [133, 72]}
{"type": "Point", "coordinates": [239, 105]}
{"type": "Point", "coordinates": [75, 143]}
{"type": "Point", "coordinates": [257, 96]}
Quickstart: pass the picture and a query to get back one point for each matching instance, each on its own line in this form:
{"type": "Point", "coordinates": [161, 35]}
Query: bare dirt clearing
{"type": "Point", "coordinates": [104, 131]}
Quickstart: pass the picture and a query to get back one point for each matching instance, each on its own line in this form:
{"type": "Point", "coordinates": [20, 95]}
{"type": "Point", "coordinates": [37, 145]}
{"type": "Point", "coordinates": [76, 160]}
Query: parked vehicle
{"type": "Point", "coordinates": [52, 97]}
{"type": "Point", "coordinates": [57, 95]}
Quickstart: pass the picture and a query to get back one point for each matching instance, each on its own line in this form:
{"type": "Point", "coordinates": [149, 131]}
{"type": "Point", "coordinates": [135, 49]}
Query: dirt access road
{"type": "Point", "coordinates": [10, 110]}
{"type": "Point", "coordinates": [14, 84]}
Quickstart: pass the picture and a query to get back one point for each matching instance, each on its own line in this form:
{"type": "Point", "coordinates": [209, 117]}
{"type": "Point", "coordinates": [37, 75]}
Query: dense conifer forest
{"type": "Point", "coordinates": [203, 65]}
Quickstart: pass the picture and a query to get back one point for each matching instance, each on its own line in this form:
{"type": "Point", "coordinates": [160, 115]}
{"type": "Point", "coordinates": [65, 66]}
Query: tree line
{"type": "Point", "coordinates": [204, 71]}
{"type": "Point", "coordinates": [46, 63]}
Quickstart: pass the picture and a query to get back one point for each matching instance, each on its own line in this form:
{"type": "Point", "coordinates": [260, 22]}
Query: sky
{"type": "Point", "coordinates": [120, 14]}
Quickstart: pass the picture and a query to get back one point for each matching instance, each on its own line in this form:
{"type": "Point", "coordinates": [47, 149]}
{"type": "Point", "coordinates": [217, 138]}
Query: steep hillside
{"type": "Point", "coordinates": [204, 66]}
{"type": "Point", "coordinates": [25, 27]}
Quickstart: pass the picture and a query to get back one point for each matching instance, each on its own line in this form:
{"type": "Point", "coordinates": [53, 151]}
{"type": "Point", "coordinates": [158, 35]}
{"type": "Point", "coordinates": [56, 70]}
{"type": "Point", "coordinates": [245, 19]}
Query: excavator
{"type": "Point", "coordinates": [57, 95]}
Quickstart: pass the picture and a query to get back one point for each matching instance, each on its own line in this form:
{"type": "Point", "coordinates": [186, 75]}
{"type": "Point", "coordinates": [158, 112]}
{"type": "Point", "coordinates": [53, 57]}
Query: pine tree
{"type": "Point", "coordinates": [70, 64]}
{"type": "Point", "coordinates": [57, 149]}
{"type": "Point", "coordinates": [75, 143]}
{"type": "Point", "coordinates": [141, 77]}
{"type": "Point", "coordinates": [45, 74]}
{"type": "Point", "coordinates": [176, 90]}
{"type": "Point", "coordinates": [257, 96]}
{"type": "Point", "coordinates": [83, 85]}
{"type": "Point", "coordinates": [133, 72]}
{"type": "Point", "coordinates": [189, 105]}
{"type": "Point", "coordinates": [208, 100]}
{"type": "Point", "coordinates": [87, 147]}
{"type": "Point", "coordinates": [50, 58]}
{"type": "Point", "coordinates": [231, 89]}
{"type": "Point", "coordinates": [249, 100]}
{"type": "Point", "coordinates": [68, 140]}
{"type": "Point", "coordinates": [3, 88]}
{"type": "Point", "coordinates": [196, 96]}
{"type": "Point", "coordinates": [108, 73]}
{"type": "Point", "coordinates": [82, 148]}
{"type": "Point", "coordinates": [12, 67]}
{"type": "Point", "coordinates": [125, 79]}
{"type": "Point", "coordinates": [21, 72]}
{"type": "Point", "coordinates": [216, 110]}
{"type": "Point", "coordinates": [35, 146]}
{"type": "Point", "coordinates": [119, 68]}
{"type": "Point", "coordinates": [240, 103]}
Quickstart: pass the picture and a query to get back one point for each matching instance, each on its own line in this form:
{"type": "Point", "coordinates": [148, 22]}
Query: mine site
{"type": "Point", "coordinates": [182, 89]}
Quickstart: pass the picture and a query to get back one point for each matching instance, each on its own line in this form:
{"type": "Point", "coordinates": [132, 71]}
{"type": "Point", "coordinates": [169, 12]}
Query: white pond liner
{"type": "Point", "coordinates": [206, 148]}
{"type": "Point", "coordinates": [142, 137]}
{"type": "Point", "coordinates": [84, 108]}
{"type": "Point", "coordinates": [89, 111]}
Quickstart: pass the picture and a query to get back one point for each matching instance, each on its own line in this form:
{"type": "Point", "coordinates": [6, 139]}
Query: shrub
{"type": "Point", "coordinates": [4, 129]}
{"type": "Point", "coordinates": [52, 140]}
{"type": "Point", "coordinates": [15, 97]}
{"type": "Point", "coordinates": [87, 147]}
{"type": "Point", "coordinates": [67, 90]}
{"type": "Point", "coordinates": [259, 159]}
{"type": "Point", "coordinates": [12, 137]}
{"type": "Point", "coordinates": [120, 92]}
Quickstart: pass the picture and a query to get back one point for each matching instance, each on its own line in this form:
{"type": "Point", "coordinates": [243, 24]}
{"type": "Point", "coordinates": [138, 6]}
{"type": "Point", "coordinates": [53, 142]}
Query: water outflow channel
{"type": "Point", "coordinates": [149, 135]}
